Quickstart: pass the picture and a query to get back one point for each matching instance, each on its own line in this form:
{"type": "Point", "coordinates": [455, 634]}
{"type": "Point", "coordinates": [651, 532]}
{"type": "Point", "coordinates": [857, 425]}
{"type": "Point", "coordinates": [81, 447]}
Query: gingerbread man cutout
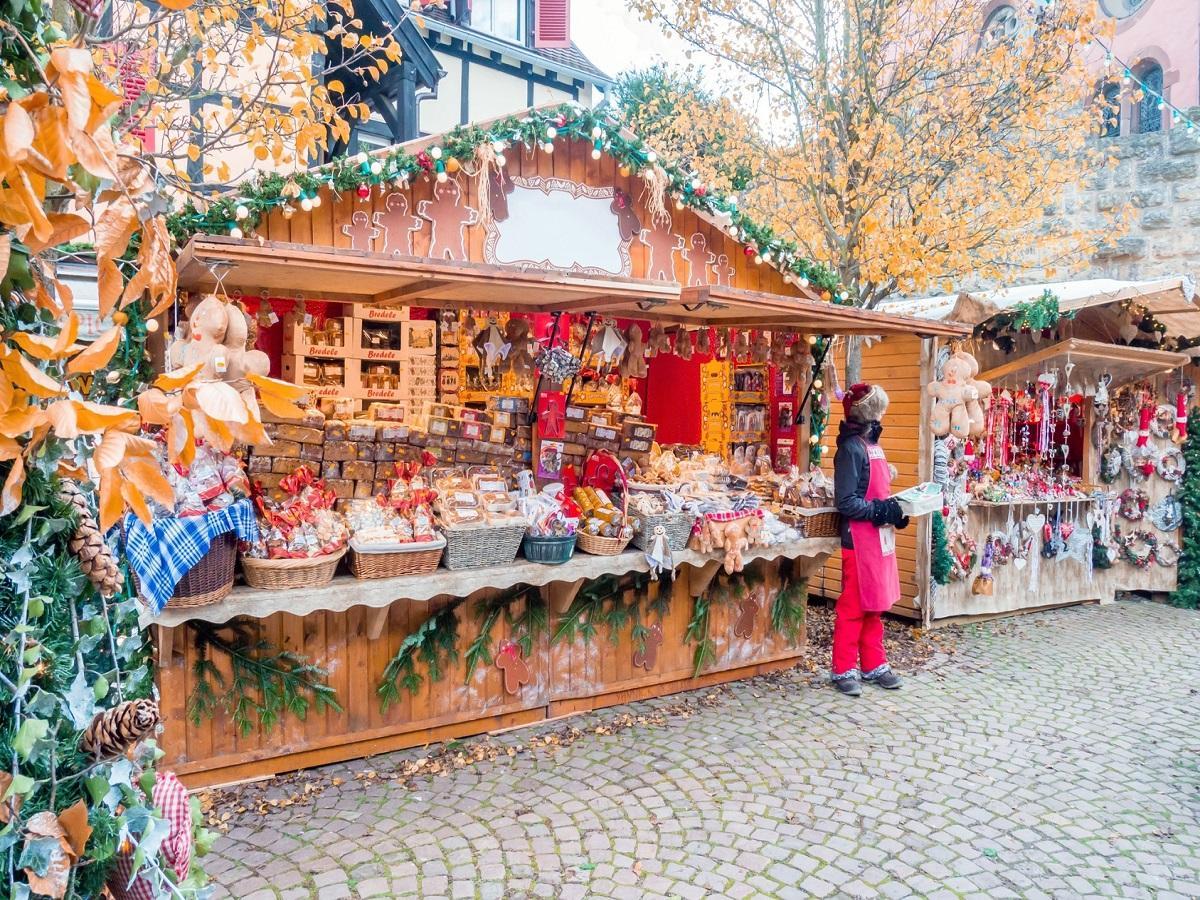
{"type": "Point", "coordinates": [448, 219]}
{"type": "Point", "coordinates": [647, 658]}
{"type": "Point", "coordinates": [699, 258]}
{"type": "Point", "coordinates": [628, 225]}
{"type": "Point", "coordinates": [499, 187]}
{"type": "Point", "coordinates": [514, 667]}
{"type": "Point", "coordinates": [396, 225]}
{"type": "Point", "coordinates": [724, 271]}
{"type": "Point", "coordinates": [662, 243]}
{"type": "Point", "coordinates": [361, 231]}
{"type": "Point", "coordinates": [747, 612]}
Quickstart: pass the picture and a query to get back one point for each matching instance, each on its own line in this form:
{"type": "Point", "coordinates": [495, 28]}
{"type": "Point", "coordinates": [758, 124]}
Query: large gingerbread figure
{"type": "Point", "coordinates": [699, 258]}
{"type": "Point", "coordinates": [396, 225]}
{"type": "Point", "coordinates": [361, 231]}
{"type": "Point", "coordinates": [662, 243]}
{"type": "Point", "coordinates": [448, 218]}
{"type": "Point", "coordinates": [218, 336]}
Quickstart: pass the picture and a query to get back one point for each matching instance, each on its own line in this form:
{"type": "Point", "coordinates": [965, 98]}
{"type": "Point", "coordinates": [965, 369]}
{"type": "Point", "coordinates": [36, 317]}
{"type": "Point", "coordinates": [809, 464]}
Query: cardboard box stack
{"type": "Point", "coordinates": [374, 354]}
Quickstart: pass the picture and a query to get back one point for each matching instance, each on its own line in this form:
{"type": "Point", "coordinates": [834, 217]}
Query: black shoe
{"type": "Point", "coordinates": [851, 686]}
{"type": "Point", "coordinates": [884, 678]}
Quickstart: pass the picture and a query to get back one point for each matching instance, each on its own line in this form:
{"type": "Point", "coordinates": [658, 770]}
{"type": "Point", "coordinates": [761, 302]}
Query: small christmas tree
{"type": "Point", "coordinates": [940, 563]}
{"type": "Point", "coordinates": [1187, 591]}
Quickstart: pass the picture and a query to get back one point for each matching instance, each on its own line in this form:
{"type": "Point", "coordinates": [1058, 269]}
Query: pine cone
{"type": "Point", "coordinates": [88, 544]}
{"type": "Point", "coordinates": [115, 730]}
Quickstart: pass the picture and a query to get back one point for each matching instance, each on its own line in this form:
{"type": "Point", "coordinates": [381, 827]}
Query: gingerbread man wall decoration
{"type": "Point", "coordinates": [699, 258]}
{"type": "Point", "coordinates": [662, 243]}
{"type": "Point", "coordinates": [513, 665]}
{"type": "Point", "coordinates": [724, 271]}
{"type": "Point", "coordinates": [448, 219]}
{"type": "Point", "coordinates": [397, 225]}
{"type": "Point", "coordinates": [628, 226]}
{"type": "Point", "coordinates": [748, 608]}
{"type": "Point", "coordinates": [647, 658]}
{"type": "Point", "coordinates": [361, 231]}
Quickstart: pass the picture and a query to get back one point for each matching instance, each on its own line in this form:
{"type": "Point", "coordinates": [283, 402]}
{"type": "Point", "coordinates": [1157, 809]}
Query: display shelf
{"type": "Point", "coordinates": [988, 504]}
{"type": "Point", "coordinates": [346, 592]}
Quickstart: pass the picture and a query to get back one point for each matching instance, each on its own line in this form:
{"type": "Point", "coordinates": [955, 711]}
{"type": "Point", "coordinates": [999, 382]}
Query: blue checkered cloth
{"type": "Point", "coordinates": [161, 554]}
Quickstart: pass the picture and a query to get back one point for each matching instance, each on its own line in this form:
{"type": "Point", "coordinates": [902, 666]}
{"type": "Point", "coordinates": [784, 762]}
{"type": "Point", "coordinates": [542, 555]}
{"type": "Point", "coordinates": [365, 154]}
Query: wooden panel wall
{"type": "Point", "coordinates": [894, 363]}
{"type": "Point", "coordinates": [566, 677]}
{"type": "Point", "coordinates": [571, 160]}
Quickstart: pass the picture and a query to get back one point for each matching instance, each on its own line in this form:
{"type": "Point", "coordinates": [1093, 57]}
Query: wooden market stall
{"type": "Point", "coordinates": [567, 232]}
{"type": "Point", "coordinates": [1096, 328]}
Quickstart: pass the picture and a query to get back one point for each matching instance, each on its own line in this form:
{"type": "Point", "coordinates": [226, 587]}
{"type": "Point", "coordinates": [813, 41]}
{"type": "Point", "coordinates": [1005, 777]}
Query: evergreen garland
{"type": "Point", "coordinates": [1187, 589]}
{"type": "Point", "coordinates": [530, 132]}
{"type": "Point", "coordinates": [788, 610]}
{"type": "Point", "coordinates": [525, 628]}
{"type": "Point", "coordinates": [265, 681]}
{"type": "Point", "coordinates": [1031, 317]}
{"type": "Point", "coordinates": [941, 563]}
{"type": "Point", "coordinates": [434, 642]}
{"type": "Point", "coordinates": [602, 604]}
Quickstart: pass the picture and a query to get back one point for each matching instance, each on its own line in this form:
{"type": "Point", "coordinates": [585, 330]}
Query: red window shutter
{"type": "Point", "coordinates": [131, 68]}
{"type": "Point", "coordinates": [552, 24]}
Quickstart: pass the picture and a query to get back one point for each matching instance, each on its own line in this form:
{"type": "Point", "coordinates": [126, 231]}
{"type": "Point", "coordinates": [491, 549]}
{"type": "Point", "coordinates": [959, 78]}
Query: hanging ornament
{"type": "Point", "coordinates": [683, 344]}
{"type": "Point", "coordinates": [364, 192]}
{"type": "Point", "coordinates": [1166, 514]}
{"type": "Point", "coordinates": [704, 342]}
{"type": "Point", "coordinates": [1179, 435]}
{"type": "Point", "coordinates": [88, 545]}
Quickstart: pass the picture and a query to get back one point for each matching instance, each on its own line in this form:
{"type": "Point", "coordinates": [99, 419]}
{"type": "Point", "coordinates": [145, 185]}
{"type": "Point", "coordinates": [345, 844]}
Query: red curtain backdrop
{"type": "Point", "coordinates": [672, 398]}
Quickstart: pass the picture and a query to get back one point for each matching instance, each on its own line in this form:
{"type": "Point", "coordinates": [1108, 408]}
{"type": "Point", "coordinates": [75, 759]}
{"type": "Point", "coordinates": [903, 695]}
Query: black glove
{"type": "Point", "coordinates": [886, 512]}
{"type": "Point", "coordinates": [902, 522]}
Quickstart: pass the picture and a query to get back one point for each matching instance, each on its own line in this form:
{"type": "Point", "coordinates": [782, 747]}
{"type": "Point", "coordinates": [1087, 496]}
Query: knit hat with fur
{"type": "Point", "coordinates": [865, 403]}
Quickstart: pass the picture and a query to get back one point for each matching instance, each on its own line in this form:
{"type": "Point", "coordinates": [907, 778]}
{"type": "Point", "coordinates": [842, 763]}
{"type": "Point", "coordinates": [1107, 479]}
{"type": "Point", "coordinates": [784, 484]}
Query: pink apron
{"type": "Point", "coordinates": [875, 548]}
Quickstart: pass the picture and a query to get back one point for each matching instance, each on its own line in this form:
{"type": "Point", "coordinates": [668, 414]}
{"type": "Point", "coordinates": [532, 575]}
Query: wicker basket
{"type": "Point", "coordinates": [608, 546]}
{"type": "Point", "coordinates": [812, 522]}
{"type": "Point", "coordinates": [211, 579]}
{"type": "Point", "coordinates": [552, 551]}
{"type": "Point", "coordinates": [282, 574]}
{"type": "Point", "coordinates": [602, 546]}
{"type": "Point", "coordinates": [470, 548]}
{"type": "Point", "coordinates": [421, 559]}
{"type": "Point", "coordinates": [678, 526]}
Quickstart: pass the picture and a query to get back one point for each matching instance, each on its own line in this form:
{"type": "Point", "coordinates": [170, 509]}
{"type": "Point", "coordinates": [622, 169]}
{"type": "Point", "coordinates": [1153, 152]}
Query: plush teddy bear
{"type": "Point", "coordinates": [705, 540]}
{"type": "Point", "coordinates": [660, 341]}
{"type": "Point", "coordinates": [218, 334]}
{"type": "Point", "coordinates": [949, 414]}
{"type": "Point", "coordinates": [633, 363]}
{"type": "Point", "coordinates": [760, 350]}
{"type": "Point", "coordinates": [979, 395]}
{"type": "Point", "coordinates": [519, 360]}
{"type": "Point", "coordinates": [683, 344]}
{"type": "Point", "coordinates": [736, 542]}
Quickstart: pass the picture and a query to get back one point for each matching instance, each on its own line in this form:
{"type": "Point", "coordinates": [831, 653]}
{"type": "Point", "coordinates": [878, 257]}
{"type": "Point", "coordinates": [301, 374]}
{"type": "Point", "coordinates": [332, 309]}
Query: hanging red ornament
{"type": "Point", "coordinates": [749, 251]}
{"type": "Point", "coordinates": [363, 191]}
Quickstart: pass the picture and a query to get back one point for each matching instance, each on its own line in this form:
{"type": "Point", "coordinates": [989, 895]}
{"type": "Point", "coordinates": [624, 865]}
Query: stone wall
{"type": "Point", "coordinates": [1154, 188]}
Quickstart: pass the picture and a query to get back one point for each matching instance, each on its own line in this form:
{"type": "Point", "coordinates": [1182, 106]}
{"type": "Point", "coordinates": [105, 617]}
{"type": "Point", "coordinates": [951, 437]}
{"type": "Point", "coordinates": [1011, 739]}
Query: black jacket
{"type": "Point", "coordinates": [851, 475]}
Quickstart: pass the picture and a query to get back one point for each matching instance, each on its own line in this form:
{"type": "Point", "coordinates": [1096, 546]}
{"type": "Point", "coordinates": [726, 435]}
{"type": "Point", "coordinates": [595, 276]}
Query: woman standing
{"type": "Point", "coordinates": [869, 517]}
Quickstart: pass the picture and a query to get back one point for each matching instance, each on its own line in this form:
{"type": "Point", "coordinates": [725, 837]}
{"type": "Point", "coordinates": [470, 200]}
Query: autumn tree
{"type": "Point", "coordinates": [900, 142]}
{"type": "Point", "coordinates": [232, 86]}
{"type": "Point", "coordinates": [703, 129]}
{"type": "Point", "coordinates": [80, 438]}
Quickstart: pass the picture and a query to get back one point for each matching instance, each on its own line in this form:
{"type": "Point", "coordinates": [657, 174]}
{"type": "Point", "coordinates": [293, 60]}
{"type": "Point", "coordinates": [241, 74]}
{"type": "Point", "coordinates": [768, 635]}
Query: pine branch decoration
{"type": "Point", "coordinates": [524, 628]}
{"type": "Point", "coordinates": [433, 643]}
{"type": "Point", "coordinates": [87, 543]}
{"type": "Point", "coordinates": [1187, 588]}
{"type": "Point", "coordinates": [940, 563]}
{"type": "Point", "coordinates": [116, 730]}
{"type": "Point", "coordinates": [265, 682]}
{"type": "Point", "coordinates": [788, 610]}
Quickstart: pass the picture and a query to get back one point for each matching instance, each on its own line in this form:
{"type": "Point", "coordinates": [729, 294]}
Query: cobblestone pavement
{"type": "Point", "coordinates": [1055, 755]}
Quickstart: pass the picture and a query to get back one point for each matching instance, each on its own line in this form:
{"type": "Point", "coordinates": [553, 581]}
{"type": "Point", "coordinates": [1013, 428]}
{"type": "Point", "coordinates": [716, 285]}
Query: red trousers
{"type": "Point", "coordinates": [857, 635]}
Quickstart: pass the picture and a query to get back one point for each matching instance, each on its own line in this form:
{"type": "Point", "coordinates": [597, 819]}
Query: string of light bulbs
{"type": "Point", "coordinates": [1178, 116]}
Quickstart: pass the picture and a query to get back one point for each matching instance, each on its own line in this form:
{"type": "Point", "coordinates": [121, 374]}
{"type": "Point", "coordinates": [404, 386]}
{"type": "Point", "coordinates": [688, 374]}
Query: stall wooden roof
{"type": "Point", "coordinates": [356, 276]}
{"type": "Point", "coordinates": [1090, 359]}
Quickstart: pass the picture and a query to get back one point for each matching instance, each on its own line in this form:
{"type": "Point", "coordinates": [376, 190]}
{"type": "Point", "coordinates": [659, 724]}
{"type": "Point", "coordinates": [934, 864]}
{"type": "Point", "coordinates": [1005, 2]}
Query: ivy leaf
{"type": "Point", "coordinates": [81, 702]}
{"type": "Point", "coordinates": [28, 735]}
{"type": "Point", "coordinates": [20, 569]}
{"type": "Point", "coordinates": [21, 785]}
{"type": "Point", "coordinates": [99, 789]}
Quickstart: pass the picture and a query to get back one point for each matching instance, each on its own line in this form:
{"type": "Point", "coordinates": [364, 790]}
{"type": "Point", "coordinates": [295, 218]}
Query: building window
{"type": "Point", "coordinates": [503, 18]}
{"type": "Point", "coordinates": [1149, 107]}
{"type": "Point", "coordinates": [1000, 25]}
{"type": "Point", "coordinates": [1110, 100]}
{"type": "Point", "coordinates": [1121, 9]}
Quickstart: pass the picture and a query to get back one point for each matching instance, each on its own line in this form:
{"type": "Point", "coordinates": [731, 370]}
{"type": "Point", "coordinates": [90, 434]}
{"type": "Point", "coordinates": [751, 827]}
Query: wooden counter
{"type": "Point", "coordinates": [354, 627]}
